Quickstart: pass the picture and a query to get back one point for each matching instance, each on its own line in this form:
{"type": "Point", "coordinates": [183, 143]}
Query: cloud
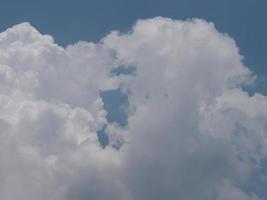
{"type": "Point", "coordinates": [50, 112]}
{"type": "Point", "coordinates": [191, 132]}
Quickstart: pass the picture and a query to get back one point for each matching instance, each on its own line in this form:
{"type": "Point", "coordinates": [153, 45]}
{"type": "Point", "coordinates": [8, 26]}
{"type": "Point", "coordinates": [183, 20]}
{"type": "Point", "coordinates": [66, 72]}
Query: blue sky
{"type": "Point", "coordinates": [90, 20]}
{"type": "Point", "coordinates": [174, 121]}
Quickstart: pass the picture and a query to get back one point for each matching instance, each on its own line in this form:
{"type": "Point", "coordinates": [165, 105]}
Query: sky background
{"type": "Point", "coordinates": [69, 21]}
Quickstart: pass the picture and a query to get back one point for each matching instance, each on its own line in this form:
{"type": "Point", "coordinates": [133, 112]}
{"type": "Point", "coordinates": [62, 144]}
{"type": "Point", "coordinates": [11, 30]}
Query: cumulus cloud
{"type": "Point", "coordinates": [191, 133]}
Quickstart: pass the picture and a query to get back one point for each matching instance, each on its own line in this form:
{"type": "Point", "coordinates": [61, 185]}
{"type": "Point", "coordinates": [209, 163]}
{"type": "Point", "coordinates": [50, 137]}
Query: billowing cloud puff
{"type": "Point", "coordinates": [192, 132]}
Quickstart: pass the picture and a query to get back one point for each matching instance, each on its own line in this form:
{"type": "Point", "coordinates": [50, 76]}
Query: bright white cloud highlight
{"type": "Point", "coordinates": [192, 132]}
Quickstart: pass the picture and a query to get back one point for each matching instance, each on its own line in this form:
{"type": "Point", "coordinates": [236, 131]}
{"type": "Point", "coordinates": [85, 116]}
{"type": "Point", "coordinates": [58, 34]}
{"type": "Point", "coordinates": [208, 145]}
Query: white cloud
{"type": "Point", "coordinates": [49, 113]}
{"type": "Point", "coordinates": [192, 132]}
